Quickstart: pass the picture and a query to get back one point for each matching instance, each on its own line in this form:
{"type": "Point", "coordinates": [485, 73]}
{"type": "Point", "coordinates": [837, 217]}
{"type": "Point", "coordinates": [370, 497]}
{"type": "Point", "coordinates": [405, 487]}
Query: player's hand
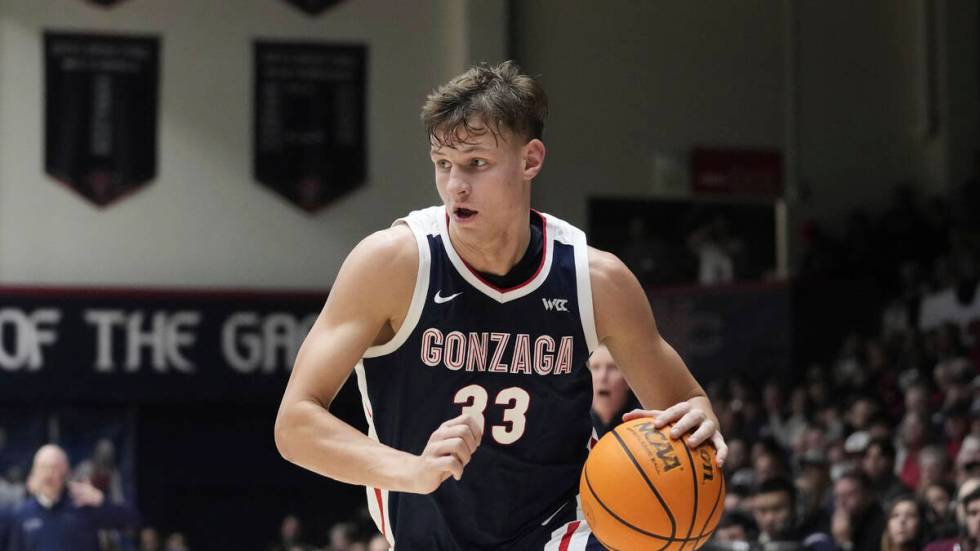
{"type": "Point", "coordinates": [447, 453]}
{"type": "Point", "coordinates": [687, 417]}
{"type": "Point", "coordinates": [84, 494]}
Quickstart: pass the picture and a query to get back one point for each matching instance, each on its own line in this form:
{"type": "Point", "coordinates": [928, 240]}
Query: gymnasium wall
{"type": "Point", "coordinates": [204, 221]}
{"type": "Point", "coordinates": [636, 84]}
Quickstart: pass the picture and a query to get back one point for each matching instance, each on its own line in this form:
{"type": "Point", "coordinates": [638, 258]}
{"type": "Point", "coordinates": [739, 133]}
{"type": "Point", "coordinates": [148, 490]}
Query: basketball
{"type": "Point", "coordinates": [643, 490]}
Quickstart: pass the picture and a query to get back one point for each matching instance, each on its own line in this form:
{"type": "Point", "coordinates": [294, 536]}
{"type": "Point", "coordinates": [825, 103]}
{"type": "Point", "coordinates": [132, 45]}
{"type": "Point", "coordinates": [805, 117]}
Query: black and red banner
{"type": "Point", "coordinates": [105, 3]}
{"type": "Point", "coordinates": [310, 135]}
{"type": "Point", "coordinates": [313, 7]}
{"type": "Point", "coordinates": [101, 111]}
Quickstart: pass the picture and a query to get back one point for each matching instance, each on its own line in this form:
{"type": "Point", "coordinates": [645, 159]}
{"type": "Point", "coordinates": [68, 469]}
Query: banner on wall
{"type": "Point", "coordinates": [313, 7]}
{"type": "Point", "coordinates": [309, 119]}
{"type": "Point", "coordinates": [105, 3]}
{"type": "Point", "coordinates": [735, 329]}
{"type": "Point", "coordinates": [100, 117]}
{"type": "Point", "coordinates": [745, 172]}
{"type": "Point", "coordinates": [136, 346]}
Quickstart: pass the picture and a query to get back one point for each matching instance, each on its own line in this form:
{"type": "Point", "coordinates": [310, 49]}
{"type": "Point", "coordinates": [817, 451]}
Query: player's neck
{"type": "Point", "coordinates": [495, 254]}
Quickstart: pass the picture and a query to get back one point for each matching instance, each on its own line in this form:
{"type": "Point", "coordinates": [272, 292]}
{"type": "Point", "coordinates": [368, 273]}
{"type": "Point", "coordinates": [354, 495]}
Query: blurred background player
{"type": "Point", "coordinates": [611, 394]}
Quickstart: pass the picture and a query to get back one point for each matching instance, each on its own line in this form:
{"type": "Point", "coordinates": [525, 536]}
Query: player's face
{"type": "Point", "coordinates": [903, 523]}
{"type": "Point", "coordinates": [609, 387]}
{"type": "Point", "coordinates": [485, 183]}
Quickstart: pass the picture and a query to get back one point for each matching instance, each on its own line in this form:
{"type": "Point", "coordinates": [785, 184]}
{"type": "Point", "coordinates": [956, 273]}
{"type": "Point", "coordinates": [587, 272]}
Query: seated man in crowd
{"type": "Point", "coordinates": [967, 517]}
{"type": "Point", "coordinates": [60, 515]}
{"type": "Point", "coordinates": [774, 509]}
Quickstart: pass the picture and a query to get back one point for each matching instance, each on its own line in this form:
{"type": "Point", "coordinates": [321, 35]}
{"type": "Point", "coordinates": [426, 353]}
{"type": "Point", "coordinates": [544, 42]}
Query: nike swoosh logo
{"type": "Point", "coordinates": [441, 299]}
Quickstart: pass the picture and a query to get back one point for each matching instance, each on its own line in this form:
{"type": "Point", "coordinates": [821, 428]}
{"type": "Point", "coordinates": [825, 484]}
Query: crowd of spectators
{"type": "Point", "coordinates": [878, 448]}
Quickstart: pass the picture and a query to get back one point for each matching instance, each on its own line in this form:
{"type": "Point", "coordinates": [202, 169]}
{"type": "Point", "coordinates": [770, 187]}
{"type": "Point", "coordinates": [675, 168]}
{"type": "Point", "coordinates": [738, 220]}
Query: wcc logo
{"type": "Point", "coordinates": [555, 304]}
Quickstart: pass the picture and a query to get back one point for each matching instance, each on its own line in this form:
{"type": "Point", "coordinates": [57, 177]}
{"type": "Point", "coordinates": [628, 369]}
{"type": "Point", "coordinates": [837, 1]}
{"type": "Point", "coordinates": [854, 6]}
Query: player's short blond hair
{"type": "Point", "coordinates": [486, 98]}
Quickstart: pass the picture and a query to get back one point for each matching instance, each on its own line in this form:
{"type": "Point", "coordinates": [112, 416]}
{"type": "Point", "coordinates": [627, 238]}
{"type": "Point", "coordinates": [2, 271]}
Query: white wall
{"type": "Point", "coordinates": [204, 221]}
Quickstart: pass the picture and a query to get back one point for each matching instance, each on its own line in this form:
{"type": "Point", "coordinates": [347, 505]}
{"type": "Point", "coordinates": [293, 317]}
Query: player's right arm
{"type": "Point", "coordinates": [367, 304]}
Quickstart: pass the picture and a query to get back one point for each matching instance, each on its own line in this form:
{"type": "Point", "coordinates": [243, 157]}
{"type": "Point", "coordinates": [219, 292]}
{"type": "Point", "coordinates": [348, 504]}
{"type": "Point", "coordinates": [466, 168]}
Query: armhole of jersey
{"type": "Point", "coordinates": [418, 296]}
{"type": "Point", "coordinates": [583, 282]}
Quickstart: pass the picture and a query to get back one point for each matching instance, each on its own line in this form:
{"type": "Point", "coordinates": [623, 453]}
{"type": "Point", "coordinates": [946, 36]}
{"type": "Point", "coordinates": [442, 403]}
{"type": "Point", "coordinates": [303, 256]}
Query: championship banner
{"type": "Point", "coordinates": [129, 346]}
{"type": "Point", "coordinates": [310, 142]}
{"type": "Point", "coordinates": [722, 331]}
{"type": "Point", "coordinates": [313, 7]}
{"type": "Point", "coordinates": [100, 117]}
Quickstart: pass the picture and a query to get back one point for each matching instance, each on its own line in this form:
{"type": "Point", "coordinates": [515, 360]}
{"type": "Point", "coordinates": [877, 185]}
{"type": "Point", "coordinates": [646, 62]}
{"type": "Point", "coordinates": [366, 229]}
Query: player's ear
{"type": "Point", "coordinates": [533, 154]}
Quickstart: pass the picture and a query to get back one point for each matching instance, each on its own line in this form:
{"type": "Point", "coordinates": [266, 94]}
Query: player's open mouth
{"type": "Point", "coordinates": [464, 214]}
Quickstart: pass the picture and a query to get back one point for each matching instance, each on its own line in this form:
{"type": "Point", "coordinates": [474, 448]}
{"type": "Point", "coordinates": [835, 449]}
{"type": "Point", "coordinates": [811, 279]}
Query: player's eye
{"type": "Point", "coordinates": [478, 163]}
{"type": "Point", "coordinates": [443, 164]}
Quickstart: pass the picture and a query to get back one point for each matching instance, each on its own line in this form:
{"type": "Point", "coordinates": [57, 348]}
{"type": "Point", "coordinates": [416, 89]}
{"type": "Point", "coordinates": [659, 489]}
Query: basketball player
{"type": "Point", "coordinates": [469, 325]}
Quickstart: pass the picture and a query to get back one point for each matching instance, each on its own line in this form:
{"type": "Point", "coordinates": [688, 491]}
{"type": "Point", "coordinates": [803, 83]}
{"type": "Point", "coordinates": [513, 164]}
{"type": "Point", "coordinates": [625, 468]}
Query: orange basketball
{"type": "Point", "coordinates": [642, 490]}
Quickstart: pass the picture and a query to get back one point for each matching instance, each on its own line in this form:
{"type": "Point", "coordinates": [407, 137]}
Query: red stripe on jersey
{"type": "Point", "coordinates": [544, 250]}
{"type": "Point", "coordinates": [567, 538]}
{"type": "Point", "coordinates": [381, 509]}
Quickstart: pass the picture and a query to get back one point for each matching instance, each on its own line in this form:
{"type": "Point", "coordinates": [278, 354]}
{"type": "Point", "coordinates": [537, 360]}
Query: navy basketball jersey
{"type": "Point", "coordinates": [515, 358]}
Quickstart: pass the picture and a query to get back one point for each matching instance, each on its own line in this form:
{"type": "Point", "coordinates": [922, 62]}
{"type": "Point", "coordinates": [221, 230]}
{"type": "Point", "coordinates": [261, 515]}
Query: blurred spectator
{"type": "Point", "coordinates": [61, 515]}
{"type": "Point", "coordinates": [934, 467]}
{"type": "Point", "coordinates": [968, 520]}
{"type": "Point", "coordinates": [735, 527]}
{"type": "Point", "coordinates": [290, 535]}
{"type": "Point", "coordinates": [940, 512]}
{"type": "Point", "coordinates": [858, 521]}
{"type": "Point", "coordinates": [176, 542]}
{"type": "Point", "coordinates": [378, 543]}
{"type": "Point", "coordinates": [718, 250]}
{"type": "Point", "coordinates": [906, 528]}
{"type": "Point", "coordinates": [100, 470]}
{"type": "Point", "coordinates": [968, 458]}
{"type": "Point", "coordinates": [879, 464]}
{"type": "Point", "coordinates": [342, 536]}
{"type": "Point", "coordinates": [611, 395]}
{"type": "Point", "coordinates": [149, 539]}
{"type": "Point", "coordinates": [912, 438]}
{"type": "Point", "coordinates": [958, 303]}
{"type": "Point", "coordinates": [773, 507]}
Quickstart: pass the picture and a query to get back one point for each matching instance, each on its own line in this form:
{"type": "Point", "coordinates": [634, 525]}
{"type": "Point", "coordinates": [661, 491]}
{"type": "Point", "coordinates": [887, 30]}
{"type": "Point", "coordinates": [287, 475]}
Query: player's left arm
{"type": "Point", "coordinates": [655, 371]}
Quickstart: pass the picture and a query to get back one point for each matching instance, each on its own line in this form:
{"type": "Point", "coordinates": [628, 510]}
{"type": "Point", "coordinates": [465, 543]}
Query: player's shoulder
{"type": "Point", "coordinates": [606, 269]}
{"type": "Point", "coordinates": [392, 249]}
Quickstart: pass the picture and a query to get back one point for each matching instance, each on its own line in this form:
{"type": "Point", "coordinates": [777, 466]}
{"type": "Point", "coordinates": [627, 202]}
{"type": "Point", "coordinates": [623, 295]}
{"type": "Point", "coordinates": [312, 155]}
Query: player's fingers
{"type": "Point", "coordinates": [721, 449]}
{"type": "Point", "coordinates": [449, 463]}
{"type": "Point", "coordinates": [672, 414]}
{"type": "Point", "coordinates": [474, 423]}
{"type": "Point", "coordinates": [453, 446]}
{"type": "Point", "coordinates": [691, 420]}
{"type": "Point", "coordinates": [640, 413]}
{"type": "Point", "coordinates": [702, 434]}
{"type": "Point", "coordinates": [464, 432]}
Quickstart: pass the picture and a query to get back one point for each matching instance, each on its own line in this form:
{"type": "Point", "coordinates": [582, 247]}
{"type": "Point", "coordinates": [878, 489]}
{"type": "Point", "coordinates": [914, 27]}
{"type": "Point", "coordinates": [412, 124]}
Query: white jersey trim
{"type": "Point", "coordinates": [471, 278]}
{"type": "Point", "coordinates": [583, 284]}
{"type": "Point", "coordinates": [418, 295]}
{"type": "Point", "coordinates": [377, 498]}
